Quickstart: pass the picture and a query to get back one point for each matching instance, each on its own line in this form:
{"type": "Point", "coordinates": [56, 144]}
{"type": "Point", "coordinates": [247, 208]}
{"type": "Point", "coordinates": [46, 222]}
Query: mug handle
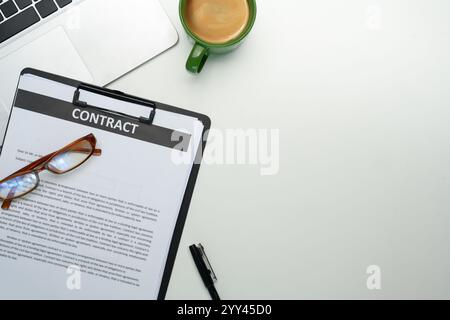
{"type": "Point", "coordinates": [197, 58]}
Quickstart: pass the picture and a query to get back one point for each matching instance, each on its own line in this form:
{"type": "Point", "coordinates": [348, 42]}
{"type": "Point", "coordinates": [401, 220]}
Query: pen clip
{"type": "Point", "coordinates": [206, 262]}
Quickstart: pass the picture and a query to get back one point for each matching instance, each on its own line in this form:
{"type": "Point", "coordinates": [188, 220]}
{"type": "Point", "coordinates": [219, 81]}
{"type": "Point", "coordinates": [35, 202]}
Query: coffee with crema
{"type": "Point", "coordinates": [217, 21]}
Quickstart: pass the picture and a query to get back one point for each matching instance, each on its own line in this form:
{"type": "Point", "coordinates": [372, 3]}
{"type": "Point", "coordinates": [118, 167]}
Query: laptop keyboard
{"type": "Point", "coordinates": [18, 15]}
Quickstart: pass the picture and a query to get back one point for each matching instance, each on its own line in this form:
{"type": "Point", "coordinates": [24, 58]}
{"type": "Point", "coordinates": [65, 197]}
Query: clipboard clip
{"type": "Point", "coordinates": [117, 95]}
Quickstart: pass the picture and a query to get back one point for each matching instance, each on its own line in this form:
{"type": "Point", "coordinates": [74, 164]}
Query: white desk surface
{"type": "Point", "coordinates": [360, 92]}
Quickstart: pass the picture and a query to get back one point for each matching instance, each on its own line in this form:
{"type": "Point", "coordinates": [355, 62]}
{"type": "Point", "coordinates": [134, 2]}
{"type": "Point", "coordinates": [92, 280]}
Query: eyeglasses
{"type": "Point", "coordinates": [62, 161]}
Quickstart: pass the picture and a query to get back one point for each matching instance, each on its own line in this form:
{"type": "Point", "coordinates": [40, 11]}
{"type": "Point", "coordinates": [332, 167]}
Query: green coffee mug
{"type": "Point", "coordinates": [202, 49]}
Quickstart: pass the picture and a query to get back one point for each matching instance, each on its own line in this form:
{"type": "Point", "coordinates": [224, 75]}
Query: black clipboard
{"type": "Point", "coordinates": [176, 237]}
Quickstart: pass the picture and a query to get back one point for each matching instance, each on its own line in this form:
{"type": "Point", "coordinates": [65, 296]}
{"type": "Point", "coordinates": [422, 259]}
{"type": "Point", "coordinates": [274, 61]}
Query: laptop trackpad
{"type": "Point", "coordinates": [53, 52]}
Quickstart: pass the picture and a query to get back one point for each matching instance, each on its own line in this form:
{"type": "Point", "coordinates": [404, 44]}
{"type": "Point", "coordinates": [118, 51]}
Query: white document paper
{"type": "Point", "coordinates": [113, 217]}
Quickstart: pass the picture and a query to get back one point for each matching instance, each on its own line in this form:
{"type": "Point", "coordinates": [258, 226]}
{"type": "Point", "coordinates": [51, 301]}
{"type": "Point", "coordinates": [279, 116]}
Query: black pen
{"type": "Point", "coordinates": [205, 269]}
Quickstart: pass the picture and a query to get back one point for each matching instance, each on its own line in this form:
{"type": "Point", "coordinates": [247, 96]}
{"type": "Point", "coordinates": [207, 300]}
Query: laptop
{"type": "Point", "coordinates": [95, 41]}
